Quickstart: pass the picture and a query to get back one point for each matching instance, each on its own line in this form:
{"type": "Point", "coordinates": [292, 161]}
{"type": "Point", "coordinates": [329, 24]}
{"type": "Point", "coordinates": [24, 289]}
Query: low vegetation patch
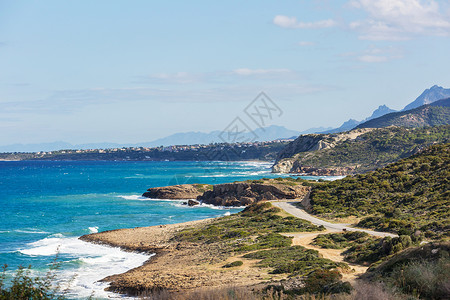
{"type": "Point", "coordinates": [259, 220]}
{"type": "Point", "coordinates": [362, 248]}
{"type": "Point", "coordinates": [340, 240]}
{"type": "Point", "coordinates": [295, 260]}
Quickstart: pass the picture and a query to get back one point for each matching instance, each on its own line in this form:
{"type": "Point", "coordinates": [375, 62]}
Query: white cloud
{"type": "Point", "coordinates": [400, 19]}
{"type": "Point", "coordinates": [372, 58]}
{"type": "Point", "coordinates": [249, 72]}
{"type": "Point", "coordinates": [291, 22]}
{"type": "Point", "coordinates": [375, 54]}
{"type": "Point", "coordinates": [305, 44]}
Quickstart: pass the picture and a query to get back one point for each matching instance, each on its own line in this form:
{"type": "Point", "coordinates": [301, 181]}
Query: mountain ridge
{"type": "Point", "coordinates": [434, 114]}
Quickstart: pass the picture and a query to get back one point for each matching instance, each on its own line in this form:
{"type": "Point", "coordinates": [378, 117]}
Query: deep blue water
{"type": "Point", "coordinates": [45, 206]}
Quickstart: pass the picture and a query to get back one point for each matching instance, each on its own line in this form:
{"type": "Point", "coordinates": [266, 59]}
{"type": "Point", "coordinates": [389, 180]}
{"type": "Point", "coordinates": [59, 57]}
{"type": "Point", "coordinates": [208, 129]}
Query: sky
{"type": "Point", "coordinates": [134, 71]}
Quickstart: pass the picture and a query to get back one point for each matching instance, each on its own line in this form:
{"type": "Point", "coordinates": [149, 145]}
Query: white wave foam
{"type": "Point", "coordinates": [93, 229]}
{"type": "Point", "coordinates": [30, 231]}
{"type": "Point", "coordinates": [203, 205]}
{"type": "Point", "coordinates": [96, 263]}
{"type": "Point", "coordinates": [131, 197]}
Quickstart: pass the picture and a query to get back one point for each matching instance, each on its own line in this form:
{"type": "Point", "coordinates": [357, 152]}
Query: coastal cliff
{"type": "Point", "coordinates": [232, 194]}
{"type": "Point", "coordinates": [246, 193]}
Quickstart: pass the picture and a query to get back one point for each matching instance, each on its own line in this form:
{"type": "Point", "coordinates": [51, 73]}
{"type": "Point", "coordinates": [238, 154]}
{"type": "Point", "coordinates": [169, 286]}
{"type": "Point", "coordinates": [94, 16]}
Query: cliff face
{"type": "Point", "coordinates": [183, 191]}
{"type": "Point", "coordinates": [304, 143]}
{"type": "Point", "coordinates": [293, 157]}
{"type": "Point", "coordinates": [246, 193]}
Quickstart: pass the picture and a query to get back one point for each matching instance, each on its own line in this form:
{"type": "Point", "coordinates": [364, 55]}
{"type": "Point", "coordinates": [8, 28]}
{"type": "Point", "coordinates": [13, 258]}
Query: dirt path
{"type": "Point", "coordinates": [305, 239]}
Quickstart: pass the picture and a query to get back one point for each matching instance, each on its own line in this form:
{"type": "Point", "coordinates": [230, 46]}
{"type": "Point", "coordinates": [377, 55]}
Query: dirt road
{"type": "Point", "coordinates": [291, 208]}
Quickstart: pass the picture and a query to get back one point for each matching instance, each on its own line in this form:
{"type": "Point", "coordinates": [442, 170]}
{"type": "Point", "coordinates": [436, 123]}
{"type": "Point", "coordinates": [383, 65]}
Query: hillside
{"type": "Point", "coordinates": [356, 151]}
{"type": "Point", "coordinates": [437, 113]}
{"type": "Point", "coordinates": [411, 194]}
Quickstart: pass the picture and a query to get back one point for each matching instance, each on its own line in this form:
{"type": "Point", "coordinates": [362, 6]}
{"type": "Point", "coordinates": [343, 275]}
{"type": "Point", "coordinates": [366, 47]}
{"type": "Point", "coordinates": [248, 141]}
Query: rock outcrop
{"type": "Point", "coordinates": [314, 171]}
{"type": "Point", "coordinates": [246, 193]}
{"type": "Point", "coordinates": [183, 191]}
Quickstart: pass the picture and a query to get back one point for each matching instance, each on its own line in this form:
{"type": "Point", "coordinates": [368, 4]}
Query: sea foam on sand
{"type": "Point", "coordinates": [84, 264]}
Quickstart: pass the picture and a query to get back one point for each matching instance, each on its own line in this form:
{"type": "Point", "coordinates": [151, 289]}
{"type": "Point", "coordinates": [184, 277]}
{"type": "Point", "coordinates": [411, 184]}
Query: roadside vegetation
{"type": "Point", "coordinates": [409, 196]}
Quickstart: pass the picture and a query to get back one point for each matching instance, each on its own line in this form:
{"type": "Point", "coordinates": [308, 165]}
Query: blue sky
{"type": "Point", "coordinates": [133, 71]}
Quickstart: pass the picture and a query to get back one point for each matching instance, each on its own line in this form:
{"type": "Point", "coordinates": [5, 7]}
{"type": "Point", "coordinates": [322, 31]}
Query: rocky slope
{"type": "Point", "coordinates": [356, 151]}
{"type": "Point", "coordinates": [182, 191]}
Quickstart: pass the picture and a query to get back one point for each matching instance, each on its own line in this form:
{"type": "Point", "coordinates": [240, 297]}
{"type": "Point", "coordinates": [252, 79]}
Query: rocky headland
{"type": "Point", "coordinates": [246, 193]}
{"type": "Point", "coordinates": [176, 192]}
{"type": "Point", "coordinates": [232, 194]}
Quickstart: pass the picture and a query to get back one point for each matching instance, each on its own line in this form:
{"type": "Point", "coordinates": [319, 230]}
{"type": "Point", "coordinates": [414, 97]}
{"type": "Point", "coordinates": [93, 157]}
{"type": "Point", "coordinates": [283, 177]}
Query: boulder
{"type": "Point", "coordinates": [192, 203]}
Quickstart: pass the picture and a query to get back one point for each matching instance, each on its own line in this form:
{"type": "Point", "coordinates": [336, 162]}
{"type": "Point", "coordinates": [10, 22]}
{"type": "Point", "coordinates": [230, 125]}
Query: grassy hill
{"type": "Point", "coordinates": [359, 150]}
{"type": "Point", "coordinates": [409, 195]}
{"type": "Point", "coordinates": [437, 113]}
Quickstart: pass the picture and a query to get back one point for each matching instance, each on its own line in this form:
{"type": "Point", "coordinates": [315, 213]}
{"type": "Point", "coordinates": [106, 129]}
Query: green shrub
{"type": "Point", "coordinates": [295, 260]}
{"type": "Point", "coordinates": [236, 263]}
{"type": "Point", "coordinates": [24, 287]}
{"type": "Point", "coordinates": [427, 279]}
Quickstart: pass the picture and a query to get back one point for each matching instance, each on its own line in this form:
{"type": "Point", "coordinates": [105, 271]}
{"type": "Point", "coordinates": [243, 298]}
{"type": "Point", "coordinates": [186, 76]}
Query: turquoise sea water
{"type": "Point", "coordinates": [45, 206]}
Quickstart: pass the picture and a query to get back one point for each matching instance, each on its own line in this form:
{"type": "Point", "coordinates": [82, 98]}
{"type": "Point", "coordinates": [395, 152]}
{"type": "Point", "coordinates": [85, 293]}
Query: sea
{"type": "Point", "coordinates": [47, 205]}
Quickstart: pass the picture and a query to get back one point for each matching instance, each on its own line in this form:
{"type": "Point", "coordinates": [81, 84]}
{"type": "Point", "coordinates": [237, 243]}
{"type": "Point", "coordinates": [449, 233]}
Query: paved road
{"type": "Point", "coordinates": [290, 208]}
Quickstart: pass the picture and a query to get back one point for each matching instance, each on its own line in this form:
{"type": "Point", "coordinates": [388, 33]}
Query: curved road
{"type": "Point", "coordinates": [289, 207]}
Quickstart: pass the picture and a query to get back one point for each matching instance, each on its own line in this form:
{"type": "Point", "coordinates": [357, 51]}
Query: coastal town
{"type": "Point", "coordinates": [218, 151]}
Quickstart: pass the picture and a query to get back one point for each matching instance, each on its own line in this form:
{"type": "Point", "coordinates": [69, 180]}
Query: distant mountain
{"type": "Point", "coordinates": [269, 133]}
{"type": "Point", "coordinates": [380, 111]}
{"type": "Point", "coordinates": [352, 123]}
{"type": "Point", "coordinates": [316, 130]}
{"type": "Point", "coordinates": [35, 147]}
{"type": "Point", "coordinates": [430, 95]}
{"type": "Point", "coordinates": [436, 113]}
{"type": "Point", "coordinates": [191, 138]}
{"type": "Point", "coordinates": [346, 126]}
